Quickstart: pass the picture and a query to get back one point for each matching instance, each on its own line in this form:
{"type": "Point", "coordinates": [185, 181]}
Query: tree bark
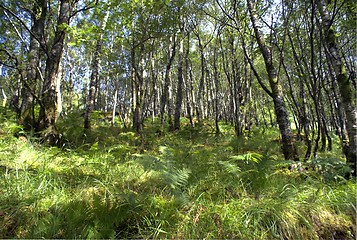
{"type": "Point", "coordinates": [94, 79]}
{"type": "Point", "coordinates": [237, 90]}
{"type": "Point", "coordinates": [282, 117]}
{"type": "Point", "coordinates": [216, 97]}
{"type": "Point", "coordinates": [114, 106]}
{"type": "Point", "coordinates": [200, 94]}
{"type": "Point", "coordinates": [26, 113]}
{"type": "Point", "coordinates": [48, 110]}
{"type": "Point", "coordinates": [304, 120]}
{"type": "Point", "coordinates": [166, 90]}
{"type": "Point", "coordinates": [179, 93]}
{"type": "Point", "coordinates": [188, 84]}
{"type": "Point", "coordinates": [92, 86]}
{"type": "Point", "coordinates": [346, 90]}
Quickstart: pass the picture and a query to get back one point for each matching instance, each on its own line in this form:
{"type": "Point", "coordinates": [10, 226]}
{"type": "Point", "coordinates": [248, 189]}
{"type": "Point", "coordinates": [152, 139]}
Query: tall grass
{"type": "Point", "coordinates": [187, 184]}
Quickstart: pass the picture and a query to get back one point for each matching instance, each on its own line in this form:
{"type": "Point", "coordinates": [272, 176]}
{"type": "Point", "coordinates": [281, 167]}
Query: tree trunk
{"type": "Point", "coordinates": [138, 91]}
{"type": "Point", "coordinates": [114, 106]}
{"type": "Point", "coordinates": [92, 86]}
{"type": "Point", "coordinates": [26, 113]}
{"type": "Point", "coordinates": [216, 97]}
{"type": "Point", "coordinates": [179, 92]}
{"type": "Point", "coordinates": [231, 110]}
{"type": "Point", "coordinates": [94, 82]}
{"type": "Point", "coordinates": [154, 88]}
{"type": "Point", "coordinates": [106, 95]}
{"type": "Point", "coordinates": [340, 112]}
{"type": "Point", "coordinates": [58, 90]}
{"type": "Point", "coordinates": [302, 101]}
{"type": "Point", "coordinates": [4, 101]}
{"type": "Point", "coordinates": [346, 90]}
{"type": "Point", "coordinates": [282, 117]}
{"type": "Point", "coordinates": [166, 89]}
{"type": "Point", "coordinates": [48, 110]}
{"type": "Point", "coordinates": [200, 94]}
{"type": "Point", "coordinates": [188, 84]}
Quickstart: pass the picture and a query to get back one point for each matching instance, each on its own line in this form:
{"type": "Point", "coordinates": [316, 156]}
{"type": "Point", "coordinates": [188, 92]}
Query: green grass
{"type": "Point", "coordinates": [186, 184]}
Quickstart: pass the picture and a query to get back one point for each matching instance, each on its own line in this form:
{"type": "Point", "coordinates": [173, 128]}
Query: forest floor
{"type": "Point", "coordinates": [186, 184]}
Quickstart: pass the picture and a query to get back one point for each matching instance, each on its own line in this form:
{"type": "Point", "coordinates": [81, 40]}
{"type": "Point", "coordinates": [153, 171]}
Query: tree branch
{"type": "Point", "coordinates": [24, 24]}
{"type": "Point", "coordinates": [11, 57]}
{"type": "Point", "coordinates": [84, 9]}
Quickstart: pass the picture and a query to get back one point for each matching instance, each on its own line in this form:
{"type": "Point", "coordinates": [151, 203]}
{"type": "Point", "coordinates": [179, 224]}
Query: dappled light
{"type": "Point", "coordinates": [186, 185]}
{"type": "Point", "coordinates": [178, 119]}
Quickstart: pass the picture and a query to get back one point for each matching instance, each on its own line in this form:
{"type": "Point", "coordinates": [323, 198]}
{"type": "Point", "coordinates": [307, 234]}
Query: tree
{"type": "Point", "coordinates": [33, 73]}
{"type": "Point", "coordinates": [179, 93]}
{"type": "Point", "coordinates": [94, 79]}
{"type": "Point", "coordinates": [165, 97]}
{"type": "Point", "coordinates": [288, 147]}
{"type": "Point", "coordinates": [348, 94]}
{"type": "Point", "coordinates": [48, 107]}
{"type": "Point", "coordinates": [198, 58]}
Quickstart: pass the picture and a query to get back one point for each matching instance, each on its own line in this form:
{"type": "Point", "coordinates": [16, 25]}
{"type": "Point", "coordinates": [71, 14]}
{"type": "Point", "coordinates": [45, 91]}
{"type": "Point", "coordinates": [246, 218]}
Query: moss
{"type": "Point", "coordinates": [327, 224]}
{"type": "Point", "coordinates": [331, 36]}
{"type": "Point", "coordinates": [345, 86]}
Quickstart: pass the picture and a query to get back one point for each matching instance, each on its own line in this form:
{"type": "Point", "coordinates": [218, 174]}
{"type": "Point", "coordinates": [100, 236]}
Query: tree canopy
{"type": "Point", "coordinates": [250, 63]}
{"type": "Point", "coordinates": [231, 119]}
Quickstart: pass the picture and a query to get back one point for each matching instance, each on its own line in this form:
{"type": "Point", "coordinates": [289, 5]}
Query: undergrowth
{"type": "Point", "coordinates": [185, 184]}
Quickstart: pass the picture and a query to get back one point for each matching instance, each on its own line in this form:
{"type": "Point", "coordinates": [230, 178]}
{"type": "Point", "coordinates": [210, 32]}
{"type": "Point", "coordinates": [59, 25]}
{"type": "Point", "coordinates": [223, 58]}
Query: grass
{"type": "Point", "coordinates": [185, 184]}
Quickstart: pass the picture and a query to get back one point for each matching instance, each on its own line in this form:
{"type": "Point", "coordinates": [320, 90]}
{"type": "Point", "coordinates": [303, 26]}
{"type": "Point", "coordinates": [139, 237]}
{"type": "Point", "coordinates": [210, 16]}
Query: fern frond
{"type": "Point", "coordinates": [248, 157]}
{"type": "Point", "coordinates": [176, 178]}
{"type": "Point", "coordinates": [230, 167]}
{"type": "Point", "coordinates": [150, 162]}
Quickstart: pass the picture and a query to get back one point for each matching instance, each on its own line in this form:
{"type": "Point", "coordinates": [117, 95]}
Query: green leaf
{"type": "Point", "coordinates": [62, 27]}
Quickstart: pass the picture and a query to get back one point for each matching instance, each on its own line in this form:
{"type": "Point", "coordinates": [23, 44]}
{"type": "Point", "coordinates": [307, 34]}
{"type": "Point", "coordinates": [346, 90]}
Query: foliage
{"type": "Point", "coordinates": [221, 179]}
{"type": "Point", "coordinates": [187, 184]}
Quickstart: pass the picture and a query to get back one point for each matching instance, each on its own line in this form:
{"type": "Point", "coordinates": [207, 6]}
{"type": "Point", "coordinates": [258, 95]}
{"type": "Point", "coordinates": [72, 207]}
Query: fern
{"type": "Point", "coordinates": [14, 128]}
{"type": "Point", "coordinates": [176, 179]}
{"type": "Point", "coordinates": [254, 170]}
{"type": "Point", "coordinates": [230, 167]}
{"type": "Point", "coordinates": [248, 157]}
